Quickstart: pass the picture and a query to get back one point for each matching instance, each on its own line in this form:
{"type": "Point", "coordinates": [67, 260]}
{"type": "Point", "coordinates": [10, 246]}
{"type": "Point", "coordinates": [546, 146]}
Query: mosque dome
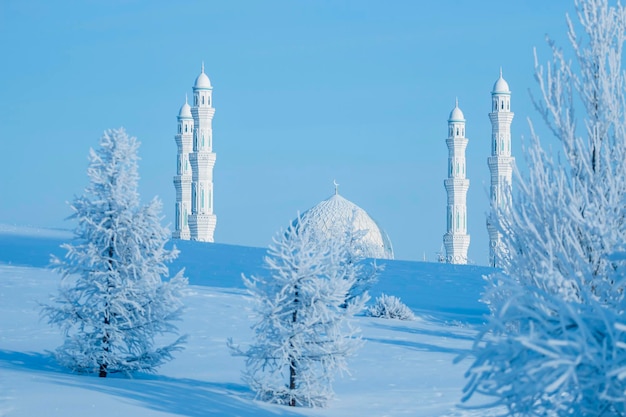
{"type": "Point", "coordinates": [456, 115]}
{"type": "Point", "coordinates": [336, 212]}
{"type": "Point", "coordinates": [203, 80]}
{"type": "Point", "coordinates": [501, 86]}
{"type": "Point", "coordinates": [185, 111]}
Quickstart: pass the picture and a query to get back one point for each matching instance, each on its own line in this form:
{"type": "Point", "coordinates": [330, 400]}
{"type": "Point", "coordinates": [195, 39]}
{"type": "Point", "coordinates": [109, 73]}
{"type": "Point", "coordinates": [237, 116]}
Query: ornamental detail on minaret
{"type": "Point", "coordinates": [500, 162]}
{"type": "Point", "coordinates": [456, 240]}
{"type": "Point", "coordinates": [194, 174]}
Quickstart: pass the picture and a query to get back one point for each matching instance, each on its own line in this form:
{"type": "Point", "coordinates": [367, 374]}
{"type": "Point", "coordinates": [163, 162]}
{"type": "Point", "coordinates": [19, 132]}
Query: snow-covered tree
{"type": "Point", "coordinates": [351, 251]}
{"type": "Point", "coordinates": [112, 301]}
{"type": "Point", "coordinates": [554, 345]}
{"type": "Point", "coordinates": [303, 335]}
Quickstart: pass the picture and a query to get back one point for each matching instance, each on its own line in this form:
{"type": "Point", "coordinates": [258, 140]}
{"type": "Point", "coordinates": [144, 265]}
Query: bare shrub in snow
{"type": "Point", "coordinates": [112, 301]}
{"type": "Point", "coordinates": [302, 336]}
{"type": "Point", "coordinates": [390, 307]}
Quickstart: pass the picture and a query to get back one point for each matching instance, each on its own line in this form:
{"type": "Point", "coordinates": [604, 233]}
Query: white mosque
{"type": "Point", "coordinates": [193, 181]}
{"type": "Point", "coordinates": [334, 214]}
{"type": "Point", "coordinates": [194, 173]}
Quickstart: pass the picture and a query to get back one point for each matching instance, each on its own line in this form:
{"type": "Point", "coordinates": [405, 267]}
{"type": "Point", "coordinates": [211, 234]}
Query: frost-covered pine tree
{"type": "Point", "coordinates": [302, 336]}
{"type": "Point", "coordinates": [351, 251]}
{"type": "Point", "coordinates": [112, 301]}
{"type": "Point", "coordinates": [554, 344]}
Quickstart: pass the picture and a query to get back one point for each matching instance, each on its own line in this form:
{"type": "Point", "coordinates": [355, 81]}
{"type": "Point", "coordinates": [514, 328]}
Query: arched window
{"type": "Point", "coordinates": [179, 129]}
{"type": "Point", "coordinates": [186, 128]}
{"type": "Point", "coordinates": [195, 100]}
{"type": "Point", "coordinates": [202, 199]}
{"type": "Point", "coordinates": [458, 220]}
{"type": "Point", "coordinates": [202, 99]}
{"type": "Point", "coordinates": [502, 105]}
{"type": "Point", "coordinates": [457, 131]}
{"type": "Point", "coordinates": [208, 100]}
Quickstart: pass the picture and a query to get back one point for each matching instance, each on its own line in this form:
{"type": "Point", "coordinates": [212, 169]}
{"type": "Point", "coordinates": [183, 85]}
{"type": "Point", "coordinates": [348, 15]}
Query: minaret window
{"type": "Point", "coordinates": [502, 105]}
{"type": "Point", "coordinates": [202, 99]}
{"type": "Point", "coordinates": [202, 199]}
{"type": "Point", "coordinates": [179, 129]}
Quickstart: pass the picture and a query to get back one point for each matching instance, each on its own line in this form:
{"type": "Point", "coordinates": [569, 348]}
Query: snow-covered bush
{"type": "Point", "coordinates": [555, 343]}
{"type": "Point", "coordinates": [390, 307]}
{"type": "Point", "coordinates": [302, 336]}
{"type": "Point", "coordinates": [112, 301]}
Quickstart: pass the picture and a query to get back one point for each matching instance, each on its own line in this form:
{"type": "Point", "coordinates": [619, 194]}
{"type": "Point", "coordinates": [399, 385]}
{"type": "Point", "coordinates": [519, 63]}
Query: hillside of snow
{"type": "Point", "coordinates": [404, 369]}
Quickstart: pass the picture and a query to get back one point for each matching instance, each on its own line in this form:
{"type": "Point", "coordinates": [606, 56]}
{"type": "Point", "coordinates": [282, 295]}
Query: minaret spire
{"type": "Point", "coordinates": [500, 162]}
{"type": "Point", "coordinates": [336, 187]}
{"type": "Point", "coordinates": [456, 240]}
{"type": "Point", "coordinates": [202, 67]}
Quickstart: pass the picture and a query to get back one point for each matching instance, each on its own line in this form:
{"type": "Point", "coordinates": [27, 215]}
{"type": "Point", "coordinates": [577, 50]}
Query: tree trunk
{"type": "Point", "coordinates": [292, 362]}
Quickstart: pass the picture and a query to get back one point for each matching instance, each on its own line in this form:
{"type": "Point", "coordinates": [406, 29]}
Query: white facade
{"type": "Point", "coordinates": [456, 240]}
{"type": "Point", "coordinates": [194, 176]}
{"type": "Point", "coordinates": [500, 162]}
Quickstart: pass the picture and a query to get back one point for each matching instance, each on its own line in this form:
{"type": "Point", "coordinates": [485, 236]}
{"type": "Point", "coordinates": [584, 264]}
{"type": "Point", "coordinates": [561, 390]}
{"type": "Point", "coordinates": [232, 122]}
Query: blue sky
{"type": "Point", "coordinates": [305, 92]}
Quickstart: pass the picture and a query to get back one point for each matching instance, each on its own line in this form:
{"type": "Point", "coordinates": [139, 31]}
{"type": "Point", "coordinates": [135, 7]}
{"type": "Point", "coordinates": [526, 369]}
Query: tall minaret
{"type": "Point", "coordinates": [182, 179]}
{"type": "Point", "coordinates": [500, 162]}
{"type": "Point", "coordinates": [456, 240]}
{"type": "Point", "coordinates": [202, 220]}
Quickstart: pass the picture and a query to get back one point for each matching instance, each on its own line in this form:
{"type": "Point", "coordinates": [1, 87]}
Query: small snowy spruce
{"type": "Point", "coordinates": [302, 336]}
{"type": "Point", "coordinates": [390, 307]}
{"type": "Point", "coordinates": [349, 242]}
{"type": "Point", "coordinates": [112, 301]}
{"type": "Point", "coordinates": [554, 344]}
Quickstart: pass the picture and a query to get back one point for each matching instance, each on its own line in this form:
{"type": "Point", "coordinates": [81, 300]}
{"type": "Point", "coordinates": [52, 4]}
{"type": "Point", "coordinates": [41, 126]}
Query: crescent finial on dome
{"type": "Point", "coordinates": [336, 187]}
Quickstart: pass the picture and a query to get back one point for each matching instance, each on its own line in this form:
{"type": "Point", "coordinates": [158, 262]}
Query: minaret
{"type": "Point", "coordinates": [500, 162]}
{"type": "Point", "coordinates": [202, 220]}
{"type": "Point", "coordinates": [456, 240]}
{"type": "Point", "coordinates": [182, 179]}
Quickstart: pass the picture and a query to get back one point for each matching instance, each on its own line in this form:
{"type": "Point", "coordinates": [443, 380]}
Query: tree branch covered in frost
{"type": "Point", "coordinates": [112, 302]}
{"type": "Point", "coordinates": [541, 355]}
{"type": "Point", "coordinates": [390, 307]}
{"type": "Point", "coordinates": [553, 345]}
{"type": "Point", "coordinates": [303, 336]}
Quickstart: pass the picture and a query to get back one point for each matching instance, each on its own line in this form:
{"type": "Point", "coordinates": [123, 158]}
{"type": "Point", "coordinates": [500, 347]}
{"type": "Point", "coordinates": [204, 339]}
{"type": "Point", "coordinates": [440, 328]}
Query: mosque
{"type": "Point", "coordinates": [193, 181]}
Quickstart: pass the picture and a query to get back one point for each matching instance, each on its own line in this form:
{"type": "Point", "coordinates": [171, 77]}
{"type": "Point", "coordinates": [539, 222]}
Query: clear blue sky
{"type": "Point", "coordinates": [305, 92]}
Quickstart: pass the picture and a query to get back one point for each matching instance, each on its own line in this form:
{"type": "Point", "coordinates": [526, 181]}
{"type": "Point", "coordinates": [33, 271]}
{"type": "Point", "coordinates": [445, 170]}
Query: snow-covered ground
{"type": "Point", "coordinates": [404, 368]}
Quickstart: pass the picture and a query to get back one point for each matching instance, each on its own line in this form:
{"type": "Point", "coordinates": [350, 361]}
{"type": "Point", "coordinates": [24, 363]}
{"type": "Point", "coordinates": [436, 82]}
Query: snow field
{"type": "Point", "coordinates": [404, 368]}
